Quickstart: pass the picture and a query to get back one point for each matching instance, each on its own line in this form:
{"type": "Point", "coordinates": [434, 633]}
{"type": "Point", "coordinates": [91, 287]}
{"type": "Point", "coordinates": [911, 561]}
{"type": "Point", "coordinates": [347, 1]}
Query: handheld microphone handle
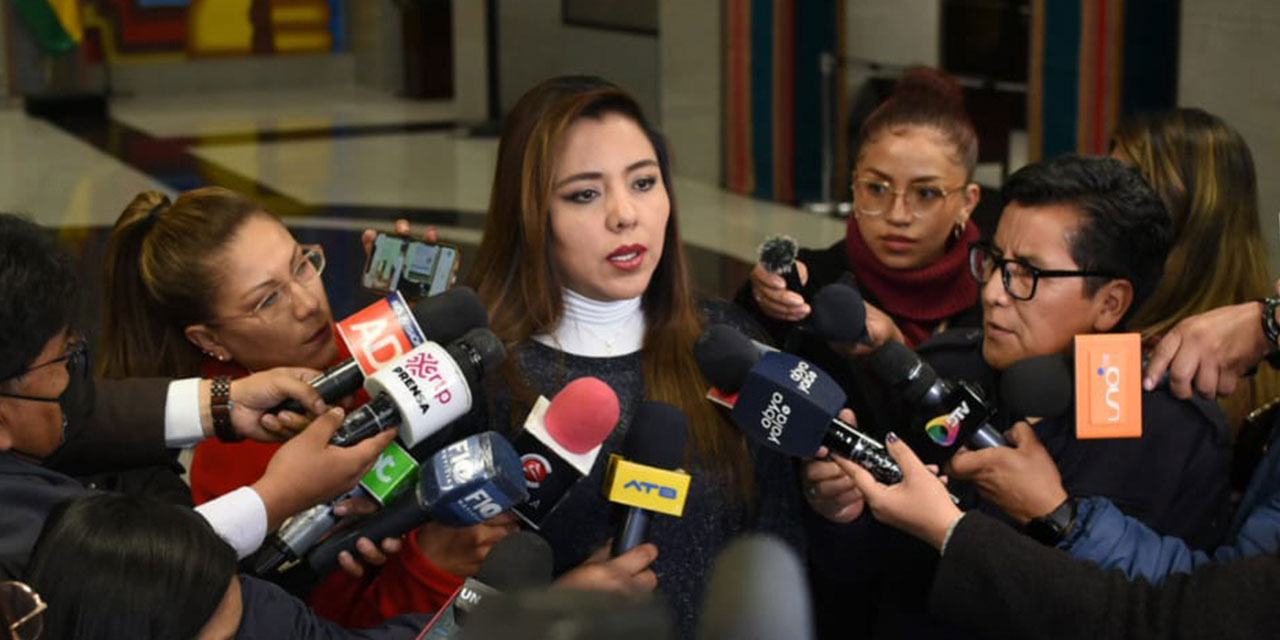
{"type": "Point", "coordinates": [631, 534]}
{"type": "Point", "coordinates": [843, 439]}
{"type": "Point", "coordinates": [333, 385]}
{"type": "Point", "coordinates": [986, 437]}
{"type": "Point", "coordinates": [376, 416]}
{"type": "Point", "coordinates": [792, 278]}
{"type": "Point", "coordinates": [391, 522]}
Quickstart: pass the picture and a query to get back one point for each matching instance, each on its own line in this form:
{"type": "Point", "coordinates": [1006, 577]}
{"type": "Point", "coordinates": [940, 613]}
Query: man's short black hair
{"type": "Point", "coordinates": [1126, 230]}
{"type": "Point", "coordinates": [37, 287]}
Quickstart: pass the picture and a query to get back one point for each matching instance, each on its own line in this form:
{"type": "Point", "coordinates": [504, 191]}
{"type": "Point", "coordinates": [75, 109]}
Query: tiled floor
{"type": "Point", "coordinates": [331, 162]}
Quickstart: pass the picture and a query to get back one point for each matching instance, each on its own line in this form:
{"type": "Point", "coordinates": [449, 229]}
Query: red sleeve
{"type": "Point", "coordinates": [408, 583]}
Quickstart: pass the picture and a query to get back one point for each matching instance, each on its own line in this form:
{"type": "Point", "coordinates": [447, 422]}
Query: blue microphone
{"type": "Point", "coordinates": [463, 484]}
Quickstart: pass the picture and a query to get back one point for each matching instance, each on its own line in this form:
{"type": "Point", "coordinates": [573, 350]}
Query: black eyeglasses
{"type": "Point", "coordinates": [1020, 279]}
{"type": "Point", "coordinates": [76, 357]}
{"type": "Point", "coordinates": [21, 611]}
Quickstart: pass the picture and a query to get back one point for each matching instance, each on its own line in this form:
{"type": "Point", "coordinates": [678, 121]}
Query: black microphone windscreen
{"type": "Point", "coordinates": [757, 591]}
{"type": "Point", "coordinates": [839, 314]}
{"type": "Point", "coordinates": [1040, 387]}
{"type": "Point", "coordinates": [657, 436]}
{"type": "Point", "coordinates": [725, 356]}
{"type": "Point", "coordinates": [446, 316]}
{"type": "Point", "coordinates": [898, 365]}
{"type": "Point", "coordinates": [478, 352]}
{"type": "Point", "coordinates": [521, 560]}
{"type": "Point", "coordinates": [778, 254]}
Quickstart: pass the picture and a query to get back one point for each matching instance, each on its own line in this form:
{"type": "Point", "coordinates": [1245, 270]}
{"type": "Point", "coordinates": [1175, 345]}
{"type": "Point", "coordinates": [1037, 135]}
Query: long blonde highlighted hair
{"type": "Point", "coordinates": [1203, 171]}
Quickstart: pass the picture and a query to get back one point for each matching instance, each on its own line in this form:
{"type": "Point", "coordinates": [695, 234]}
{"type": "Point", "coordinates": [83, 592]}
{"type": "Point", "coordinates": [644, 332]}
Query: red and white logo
{"type": "Point", "coordinates": [536, 469]}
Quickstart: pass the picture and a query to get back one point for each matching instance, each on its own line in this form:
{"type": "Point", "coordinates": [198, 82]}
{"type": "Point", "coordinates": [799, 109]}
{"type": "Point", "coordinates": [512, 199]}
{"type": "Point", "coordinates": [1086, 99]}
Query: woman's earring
{"type": "Point", "coordinates": [958, 230]}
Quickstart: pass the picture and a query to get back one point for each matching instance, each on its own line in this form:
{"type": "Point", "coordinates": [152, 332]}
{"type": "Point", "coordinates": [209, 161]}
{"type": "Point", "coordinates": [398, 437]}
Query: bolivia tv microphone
{"type": "Point", "coordinates": [387, 329]}
{"type": "Point", "coordinates": [645, 478]}
{"type": "Point", "coordinates": [954, 413]}
{"type": "Point", "coordinates": [463, 484]}
{"type": "Point", "coordinates": [424, 390]}
{"type": "Point", "coordinates": [786, 403]}
{"type": "Point", "coordinates": [560, 443]}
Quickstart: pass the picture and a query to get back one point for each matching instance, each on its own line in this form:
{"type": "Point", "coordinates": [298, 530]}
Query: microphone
{"type": "Point", "coordinates": [778, 256]}
{"type": "Point", "coordinates": [463, 484]}
{"type": "Point", "coordinates": [839, 314]}
{"type": "Point", "coordinates": [392, 474]}
{"type": "Point", "coordinates": [518, 562]}
{"type": "Point", "coordinates": [785, 403]}
{"type": "Point", "coordinates": [645, 477]}
{"type": "Point", "coordinates": [424, 390]}
{"type": "Point", "coordinates": [560, 443]}
{"type": "Point", "coordinates": [955, 412]}
{"type": "Point", "coordinates": [386, 329]}
{"type": "Point", "coordinates": [1038, 387]}
{"type": "Point", "coordinates": [758, 591]}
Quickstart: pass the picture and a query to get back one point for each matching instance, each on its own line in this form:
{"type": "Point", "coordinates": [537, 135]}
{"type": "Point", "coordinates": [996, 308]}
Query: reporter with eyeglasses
{"type": "Point", "coordinates": [1080, 245]}
{"type": "Point", "coordinates": [213, 284]}
{"type": "Point", "coordinates": [52, 409]}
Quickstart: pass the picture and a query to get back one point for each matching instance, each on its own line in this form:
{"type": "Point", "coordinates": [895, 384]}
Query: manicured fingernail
{"type": "Point", "coordinates": [337, 411]}
{"type": "Point", "coordinates": [318, 406]}
{"type": "Point", "coordinates": [892, 437]}
{"type": "Point", "coordinates": [1148, 384]}
{"type": "Point", "coordinates": [340, 510]}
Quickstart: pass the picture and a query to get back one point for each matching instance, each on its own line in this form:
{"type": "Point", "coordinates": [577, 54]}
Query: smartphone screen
{"type": "Point", "coordinates": [414, 268]}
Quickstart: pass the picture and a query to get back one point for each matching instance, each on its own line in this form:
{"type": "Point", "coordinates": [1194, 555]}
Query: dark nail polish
{"type": "Point", "coordinates": [892, 437]}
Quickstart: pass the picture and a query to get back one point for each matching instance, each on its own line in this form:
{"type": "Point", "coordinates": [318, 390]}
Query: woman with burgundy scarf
{"type": "Point", "coordinates": [907, 248]}
{"type": "Point", "coordinates": [907, 243]}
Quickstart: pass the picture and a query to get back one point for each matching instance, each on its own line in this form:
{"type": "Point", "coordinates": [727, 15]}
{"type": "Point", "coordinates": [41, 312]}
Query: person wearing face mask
{"type": "Point", "coordinates": [212, 283]}
{"type": "Point", "coordinates": [1080, 245]}
{"type": "Point", "coordinates": [49, 412]}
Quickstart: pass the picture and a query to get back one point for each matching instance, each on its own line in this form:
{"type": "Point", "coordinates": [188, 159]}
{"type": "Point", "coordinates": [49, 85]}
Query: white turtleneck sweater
{"type": "Point", "coordinates": [596, 329]}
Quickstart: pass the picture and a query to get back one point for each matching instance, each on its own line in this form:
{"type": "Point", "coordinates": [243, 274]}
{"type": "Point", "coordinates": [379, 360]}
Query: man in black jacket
{"type": "Point", "coordinates": [1080, 246]}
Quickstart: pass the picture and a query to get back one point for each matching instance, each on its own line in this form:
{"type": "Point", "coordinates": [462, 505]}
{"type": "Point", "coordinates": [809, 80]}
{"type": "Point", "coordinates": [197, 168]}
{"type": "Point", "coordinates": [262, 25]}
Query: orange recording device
{"type": "Point", "coordinates": [1109, 386]}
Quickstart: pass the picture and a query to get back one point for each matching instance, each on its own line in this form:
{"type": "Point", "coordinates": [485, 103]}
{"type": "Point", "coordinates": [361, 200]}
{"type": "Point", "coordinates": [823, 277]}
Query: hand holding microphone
{"type": "Point", "coordinates": [307, 470]}
{"type": "Point", "coordinates": [777, 279]}
{"type": "Point", "coordinates": [919, 505]}
{"type": "Point", "coordinates": [466, 483]}
{"type": "Point", "coordinates": [1021, 479]}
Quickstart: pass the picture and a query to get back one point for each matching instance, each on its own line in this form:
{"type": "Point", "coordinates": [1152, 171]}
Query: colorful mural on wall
{"type": "Point", "coordinates": [141, 30]}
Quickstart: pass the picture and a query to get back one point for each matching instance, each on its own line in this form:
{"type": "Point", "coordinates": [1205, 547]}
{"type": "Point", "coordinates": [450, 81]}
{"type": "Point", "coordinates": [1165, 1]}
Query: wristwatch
{"type": "Point", "coordinates": [1052, 528]}
{"type": "Point", "coordinates": [220, 409]}
{"type": "Point", "coordinates": [1271, 329]}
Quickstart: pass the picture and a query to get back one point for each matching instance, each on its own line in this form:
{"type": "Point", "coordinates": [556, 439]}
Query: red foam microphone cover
{"type": "Point", "coordinates": [583, 414]}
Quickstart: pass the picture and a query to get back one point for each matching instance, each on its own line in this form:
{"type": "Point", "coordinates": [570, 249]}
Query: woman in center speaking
{"type": "Point", "coordinates": [582, 270]}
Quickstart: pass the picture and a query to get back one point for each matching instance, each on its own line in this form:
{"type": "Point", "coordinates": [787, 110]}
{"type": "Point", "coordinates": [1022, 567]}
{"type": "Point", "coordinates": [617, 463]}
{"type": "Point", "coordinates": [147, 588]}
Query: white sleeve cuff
{"type": "Point", "coordinates": [182, 414]}
{"type": "Point", "coordinates": [239, 518]}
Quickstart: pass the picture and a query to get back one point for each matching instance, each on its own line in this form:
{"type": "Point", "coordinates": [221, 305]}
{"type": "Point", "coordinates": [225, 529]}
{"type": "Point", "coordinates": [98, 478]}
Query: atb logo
{"type": "Point", "coordinates": [536, 469]}
{"type": "Point", "coordinates": [803, 376]}
{"type": "Point", "coordinates": [668, 493]}
{"type": "Point", "coordinates": [1111, 377]}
